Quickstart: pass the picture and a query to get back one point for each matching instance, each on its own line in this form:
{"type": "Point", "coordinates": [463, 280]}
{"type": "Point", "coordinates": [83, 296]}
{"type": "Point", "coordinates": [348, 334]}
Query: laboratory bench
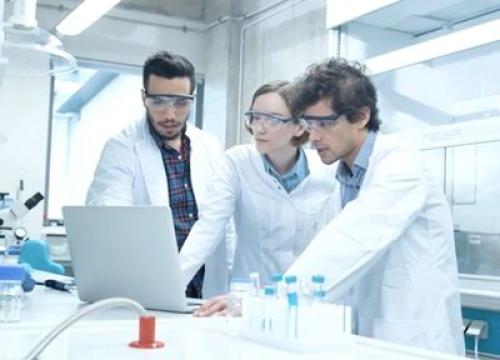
{"type": "Point", "coordinates": [107, 333]}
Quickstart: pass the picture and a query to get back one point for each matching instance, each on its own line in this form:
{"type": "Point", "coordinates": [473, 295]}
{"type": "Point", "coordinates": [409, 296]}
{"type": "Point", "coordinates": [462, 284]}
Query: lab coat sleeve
{"type": "Point", "coordinates": [213, 222]}
{"type": "Point", "coordinates": [231, 239]}
{"type": "Point", "coordinates": [114, 175]}
{"type": "Point", "coordinates": [353, 241]}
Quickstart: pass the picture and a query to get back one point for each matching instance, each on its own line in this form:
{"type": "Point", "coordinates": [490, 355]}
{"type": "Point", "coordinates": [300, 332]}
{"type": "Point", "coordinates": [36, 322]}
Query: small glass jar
{"type": "Point", "coordinates": [238, 289]}
{"type": "Point", "coordinates": [11, 292]}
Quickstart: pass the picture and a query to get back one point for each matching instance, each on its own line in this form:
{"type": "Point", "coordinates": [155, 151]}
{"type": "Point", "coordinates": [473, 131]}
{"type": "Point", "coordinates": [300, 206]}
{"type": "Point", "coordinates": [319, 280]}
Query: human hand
{"type": "Point", "coordinates": [218, 306]}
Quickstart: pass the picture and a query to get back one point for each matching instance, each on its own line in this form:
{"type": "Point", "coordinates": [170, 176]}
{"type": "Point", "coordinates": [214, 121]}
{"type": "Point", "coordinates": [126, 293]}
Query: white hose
{"type": "Point", "coordinates": [113, 302]}
{"type": "Point", "coordinates": [476, 347]}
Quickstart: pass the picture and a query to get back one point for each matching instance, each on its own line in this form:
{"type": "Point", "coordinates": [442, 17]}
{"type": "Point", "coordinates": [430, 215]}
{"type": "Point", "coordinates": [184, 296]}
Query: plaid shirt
{"type": "Point", "coordinates": [182, 200]}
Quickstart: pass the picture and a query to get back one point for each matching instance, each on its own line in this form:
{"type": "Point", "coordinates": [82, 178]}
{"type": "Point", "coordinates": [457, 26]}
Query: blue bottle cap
{"type": "Point", "coordinates": [12, 272]}
{"type": "Point", "coordinates": [290, 279]}
{"type": "Point", "coordinates": [319, 294]}
{"type": "Point", "coordinates": [269, 291]}
{"type": "Point", "coordinates": [318, 279]}
{"type": "Point", "coordinates": [276, 277]}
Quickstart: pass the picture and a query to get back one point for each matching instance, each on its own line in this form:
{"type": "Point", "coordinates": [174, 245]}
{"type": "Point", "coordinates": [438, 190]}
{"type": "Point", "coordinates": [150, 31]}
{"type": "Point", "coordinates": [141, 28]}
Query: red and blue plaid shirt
{"type": "Point", "coordinates": [182, 199]}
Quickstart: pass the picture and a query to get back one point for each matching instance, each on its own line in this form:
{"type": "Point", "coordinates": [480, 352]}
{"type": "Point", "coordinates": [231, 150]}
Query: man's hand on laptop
{"type": "Point", "coordinates": [219, 306]}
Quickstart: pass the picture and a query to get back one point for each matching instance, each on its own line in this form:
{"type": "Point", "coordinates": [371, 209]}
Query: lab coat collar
{"type": "Point", "coordinates": [152, 168]}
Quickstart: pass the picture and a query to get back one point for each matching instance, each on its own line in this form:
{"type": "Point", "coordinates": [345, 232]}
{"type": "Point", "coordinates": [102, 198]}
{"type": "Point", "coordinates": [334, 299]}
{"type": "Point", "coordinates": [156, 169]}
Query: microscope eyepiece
{"type": "Point", "coordinates": [33, 201]}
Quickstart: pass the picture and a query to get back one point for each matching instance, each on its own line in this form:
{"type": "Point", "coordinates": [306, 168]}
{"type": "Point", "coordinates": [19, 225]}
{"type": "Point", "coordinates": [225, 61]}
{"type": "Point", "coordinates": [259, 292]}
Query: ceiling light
{"type": "Point", "coordinates": [339, 12]}
{"type": "Point", "coordinates": [444, 45]}
{"type": "Point", "coordinates": [84, 15]}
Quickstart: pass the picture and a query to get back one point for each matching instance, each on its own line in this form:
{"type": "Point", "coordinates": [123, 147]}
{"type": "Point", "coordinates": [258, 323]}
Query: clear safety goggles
{"type": "Point", "coordinates": [319, 123]}
{"type": "Point", "coordinates": [272, 120]}
{"type": "Point", "coordinates": [165, 101]}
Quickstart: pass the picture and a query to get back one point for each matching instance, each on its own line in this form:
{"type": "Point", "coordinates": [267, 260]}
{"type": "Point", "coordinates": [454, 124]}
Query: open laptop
{"type": "Point", "coordinates": [126, 251]}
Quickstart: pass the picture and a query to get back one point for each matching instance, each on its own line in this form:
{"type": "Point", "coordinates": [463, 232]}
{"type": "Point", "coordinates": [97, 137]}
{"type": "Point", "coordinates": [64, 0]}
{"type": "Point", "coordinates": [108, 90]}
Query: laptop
{"type": "Point", "coordinates": [126, 251]}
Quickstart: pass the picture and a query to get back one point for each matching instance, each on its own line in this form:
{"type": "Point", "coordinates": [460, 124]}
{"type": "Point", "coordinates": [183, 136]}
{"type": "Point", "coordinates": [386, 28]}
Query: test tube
{"type": "Point", "coordinates": [293, 302]}
{"type": "Point", "coordinates": [267, 321]}
{"type": "Point", "coordinates": [318, 291]}
{"type": "Point", "coordinates": [277, 282]}
{"type": "Point", "coordinates": [255, 280]}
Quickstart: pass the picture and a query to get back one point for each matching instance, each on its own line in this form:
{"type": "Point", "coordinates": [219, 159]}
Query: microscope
{"type": "Point", "coordinates": [10, 229]}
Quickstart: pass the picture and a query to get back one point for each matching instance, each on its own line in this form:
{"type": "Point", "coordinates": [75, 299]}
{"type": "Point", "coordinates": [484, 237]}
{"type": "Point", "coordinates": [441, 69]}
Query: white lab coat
{"type": "Point", "coordinates": [393, 249]}
{"type": "Point", "coordinates": [131, 172]}
{"type": "Point", "coordinates": [273, 227]}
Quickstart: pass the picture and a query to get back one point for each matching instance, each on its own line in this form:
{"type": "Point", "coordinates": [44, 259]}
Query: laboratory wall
{"type": "Point", "coordinates": [243, 54]}
{"type": "Point", "coordinates": [221, 70]}
{"type": "Point", "coordinates": [24, 114]}
{"type": "Point", "coordinates": [280, 47]}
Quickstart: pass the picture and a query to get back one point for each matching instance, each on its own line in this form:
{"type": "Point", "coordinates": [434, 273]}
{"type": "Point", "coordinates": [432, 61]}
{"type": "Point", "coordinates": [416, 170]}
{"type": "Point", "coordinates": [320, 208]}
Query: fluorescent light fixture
{"type": "Point", "coordinates": [339, 12]}
{"type": "Point", "coordinates": [469, 38]}
{"type": "Point", "coordinates": [84, 15]}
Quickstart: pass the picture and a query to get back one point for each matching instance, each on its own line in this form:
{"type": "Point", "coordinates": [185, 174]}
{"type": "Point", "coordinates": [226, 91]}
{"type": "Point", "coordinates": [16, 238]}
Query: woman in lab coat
{"type": "Point", "coordinates": [277, 192]}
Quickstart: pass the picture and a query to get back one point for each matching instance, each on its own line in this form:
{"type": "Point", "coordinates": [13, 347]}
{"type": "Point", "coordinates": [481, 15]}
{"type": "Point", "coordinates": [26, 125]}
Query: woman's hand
{"type": "Point", "coordinates": [218, 306]}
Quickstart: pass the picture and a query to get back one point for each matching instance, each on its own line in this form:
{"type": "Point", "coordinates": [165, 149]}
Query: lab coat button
{"type": "Point", "coordinates": [179, 157]}
{"type": "Point", "coordinates": [191, 215]}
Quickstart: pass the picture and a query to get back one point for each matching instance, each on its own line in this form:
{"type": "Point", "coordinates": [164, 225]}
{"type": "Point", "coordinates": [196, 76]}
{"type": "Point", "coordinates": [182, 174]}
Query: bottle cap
{"type": "Point", "coordinates": [269, 290]}
{"type": "Point", "coordinates": [319, 294]}
{"type": "Point", "coordinates": [318, 279]}
{"type": "Point", "coordinates": [12, 272]}
{"type": "Point", "coordinates": [276, 277]}
{"type": "Point", "coordinates": [291, 279]}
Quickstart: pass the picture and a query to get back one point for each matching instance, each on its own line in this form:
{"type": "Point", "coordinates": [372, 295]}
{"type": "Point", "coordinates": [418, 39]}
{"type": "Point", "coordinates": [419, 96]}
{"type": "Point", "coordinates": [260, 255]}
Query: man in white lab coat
{"type": "Point", "coordinates": [162, 160]}
{"type": "Point", "coordinates": [389, 251]}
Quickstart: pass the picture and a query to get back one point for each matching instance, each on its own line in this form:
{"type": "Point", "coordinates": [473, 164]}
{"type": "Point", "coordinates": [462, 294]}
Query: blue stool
{"type": "Point", "coordinates": [36, 254]}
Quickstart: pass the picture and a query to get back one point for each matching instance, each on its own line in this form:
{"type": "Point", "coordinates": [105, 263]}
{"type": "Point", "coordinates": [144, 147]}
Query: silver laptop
{"type": "Point", "coordinates": [126, 251]}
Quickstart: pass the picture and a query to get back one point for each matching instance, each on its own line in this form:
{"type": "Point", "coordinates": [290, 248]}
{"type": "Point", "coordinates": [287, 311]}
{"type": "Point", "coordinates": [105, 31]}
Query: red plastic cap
{"type": "Point", "coordinates": [147, 330]}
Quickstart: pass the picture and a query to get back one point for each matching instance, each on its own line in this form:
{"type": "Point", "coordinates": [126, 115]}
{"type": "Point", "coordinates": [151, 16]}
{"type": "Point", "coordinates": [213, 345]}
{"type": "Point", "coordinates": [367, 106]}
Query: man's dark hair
{"type": "Point", "coordinates": [168, 65]}
{"type": "Point", "coordinates": [286, 91]}
{"type": "Point", "coordinates": [345, 83]}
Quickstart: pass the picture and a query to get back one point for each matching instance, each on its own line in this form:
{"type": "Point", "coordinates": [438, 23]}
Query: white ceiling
{"type": "Point", "coordinates": [199, 10]}
{"type": "Point", "coordinates": [414, 17]}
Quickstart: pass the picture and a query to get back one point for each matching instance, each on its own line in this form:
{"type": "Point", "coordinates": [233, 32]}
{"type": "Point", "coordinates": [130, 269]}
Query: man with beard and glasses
{"type": "Point", "coordinates": [163, 160]}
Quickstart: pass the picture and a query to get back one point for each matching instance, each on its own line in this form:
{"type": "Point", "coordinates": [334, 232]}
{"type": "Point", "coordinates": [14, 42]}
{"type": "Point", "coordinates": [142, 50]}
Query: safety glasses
{"type": "Point", "coordinates": [319, 123]}
{"type": "Point", "coordinates": [162, 102]}
{"type": "Point", "coordinates": [252, 117]}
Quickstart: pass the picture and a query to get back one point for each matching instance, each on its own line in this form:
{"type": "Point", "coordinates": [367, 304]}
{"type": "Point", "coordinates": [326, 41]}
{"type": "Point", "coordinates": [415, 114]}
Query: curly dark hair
{"type": "Point", "coordinates": [344, 82]}
{"type": "Point", "coordinates": [168, 65]}
{"type": "Point", "coordinates": [286, 91]}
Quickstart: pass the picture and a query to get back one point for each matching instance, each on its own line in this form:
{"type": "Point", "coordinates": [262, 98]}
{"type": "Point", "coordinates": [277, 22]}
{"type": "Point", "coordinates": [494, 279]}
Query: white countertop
{"type": "Point", "coordinates": [105, 335]}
